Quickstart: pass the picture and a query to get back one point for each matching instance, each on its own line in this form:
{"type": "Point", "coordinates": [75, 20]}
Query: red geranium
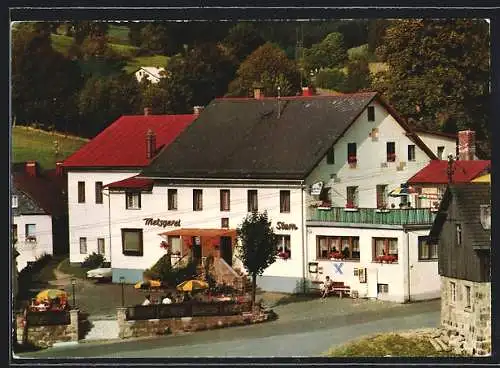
{"type": "Point", "coordinates": [164, 245]}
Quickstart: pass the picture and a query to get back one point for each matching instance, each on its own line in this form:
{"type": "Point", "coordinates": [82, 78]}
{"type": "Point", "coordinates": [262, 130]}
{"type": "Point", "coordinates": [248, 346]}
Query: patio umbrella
{"type": "Point", "coordinates": [401, 192]}
{"type": "Point", "coordinates": [191, 285]}
{"type": "Point", "coordinates": [50, 294]}
{"type": "Point", "coordinates": [148, 284]}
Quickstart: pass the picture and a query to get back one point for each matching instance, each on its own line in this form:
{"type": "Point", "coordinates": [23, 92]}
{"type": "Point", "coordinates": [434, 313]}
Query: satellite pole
{"type": "Point", "coordinates": [279, 102]}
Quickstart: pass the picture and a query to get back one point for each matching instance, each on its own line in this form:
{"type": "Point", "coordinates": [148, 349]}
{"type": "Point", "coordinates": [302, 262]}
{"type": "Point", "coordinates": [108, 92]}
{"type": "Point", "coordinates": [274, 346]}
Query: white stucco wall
{"type": "Point", "coordinates": [89, 219]}
{"type": "Point", "coordinates": [424, 277]}
{"type": "Point", "coordinates": [155, 205]}
{"type": "Point", "coordinates": [369, 172]}
{"type": "Point", "coordinates": [434, 141]}
{"type": "Point", "coordinates": [30, 251]}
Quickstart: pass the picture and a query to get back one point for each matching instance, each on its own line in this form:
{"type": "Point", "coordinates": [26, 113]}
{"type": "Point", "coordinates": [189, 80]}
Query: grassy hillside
{"type": "Point", "coordinates": [35, 144]}
{"type": "Point", "coordinates": [118, 34]}
{"type": "Point", "coordinates": [62, 43]}
{"type": "Point", "coordinates": [155, 60]}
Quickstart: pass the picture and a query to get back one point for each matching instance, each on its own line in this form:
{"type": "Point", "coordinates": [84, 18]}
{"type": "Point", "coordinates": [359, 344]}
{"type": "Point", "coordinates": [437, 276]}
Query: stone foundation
{"type": "Point", "coordinates": [155, 327]}
{"type": "Point", "coordinates": [467, 330]}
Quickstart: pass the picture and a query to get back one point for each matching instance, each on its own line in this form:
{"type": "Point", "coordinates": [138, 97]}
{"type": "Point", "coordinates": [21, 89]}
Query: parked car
{"type": "Point", "coordinates": [100, 274]}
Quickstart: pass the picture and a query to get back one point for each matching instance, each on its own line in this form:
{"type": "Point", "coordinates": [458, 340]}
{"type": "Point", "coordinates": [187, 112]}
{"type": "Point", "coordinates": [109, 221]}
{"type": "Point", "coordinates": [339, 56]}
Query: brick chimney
{"type": "Point", "coordinates": [466, 144]}
{"type": "Point", "coordinates": [31, 168]}
{"type": "Point", "coordinates": [59, 168]}
{"type": "Point", "coordinates": [150, 144]}
{"type": "Point", "coordinates": [257, 93]}
{"type": "Point", "coordinates": [148, 111]}
{"type": "Point", "coordinates": [197, 110]}
{"type": "Point", "coordinates": [307, 91]}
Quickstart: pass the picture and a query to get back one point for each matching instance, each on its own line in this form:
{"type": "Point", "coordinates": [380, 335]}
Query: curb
{"type": "Point", "coordinates": [64, 344]}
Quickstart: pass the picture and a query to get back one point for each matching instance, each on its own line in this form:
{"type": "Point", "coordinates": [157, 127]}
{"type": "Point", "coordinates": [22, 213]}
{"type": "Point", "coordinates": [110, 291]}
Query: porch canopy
{"type": "Point", "coordinates": [208, 233]}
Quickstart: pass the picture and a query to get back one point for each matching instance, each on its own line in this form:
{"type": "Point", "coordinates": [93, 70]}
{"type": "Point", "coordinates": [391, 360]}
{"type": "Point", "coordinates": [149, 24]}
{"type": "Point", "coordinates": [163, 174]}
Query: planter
{"type": "Point", "coordinates": [382, 210]}
{"type": "Point", "coordinates": [324, 208]}
{"type": "Point", "coordinates": [351, 209]}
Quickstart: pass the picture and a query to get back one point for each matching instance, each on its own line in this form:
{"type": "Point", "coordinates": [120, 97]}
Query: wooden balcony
{"type": "Point", "coordinates": [406, 216]}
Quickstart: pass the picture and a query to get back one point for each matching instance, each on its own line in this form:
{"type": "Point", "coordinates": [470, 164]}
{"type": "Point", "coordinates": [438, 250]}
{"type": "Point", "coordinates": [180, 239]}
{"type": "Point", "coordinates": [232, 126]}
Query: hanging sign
{"type": "Point", "coordinates": [282, 226]}
{"type": "Point", "coordinates": [316, 188]}
{"type": "Point", "coordinates": [149, 221]}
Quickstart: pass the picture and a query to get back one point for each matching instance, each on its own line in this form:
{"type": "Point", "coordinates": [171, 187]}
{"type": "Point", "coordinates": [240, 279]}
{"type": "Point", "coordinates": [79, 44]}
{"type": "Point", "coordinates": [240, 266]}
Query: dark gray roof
{"type": "Point", "coordinates": [244, 138]}
{"type": "Point", "coordinates": [467, 197]}
{"type": "Point", "coordinates": [25, 204]}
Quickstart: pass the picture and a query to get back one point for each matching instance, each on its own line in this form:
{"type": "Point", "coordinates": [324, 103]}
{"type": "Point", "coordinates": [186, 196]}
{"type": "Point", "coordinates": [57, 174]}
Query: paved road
{"type": "Point", "coordinates": [304, 334]}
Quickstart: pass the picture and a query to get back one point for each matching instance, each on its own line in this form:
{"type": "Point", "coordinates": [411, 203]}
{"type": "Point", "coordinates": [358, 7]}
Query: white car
{"type": "Point", "coordinates": [100, 274]}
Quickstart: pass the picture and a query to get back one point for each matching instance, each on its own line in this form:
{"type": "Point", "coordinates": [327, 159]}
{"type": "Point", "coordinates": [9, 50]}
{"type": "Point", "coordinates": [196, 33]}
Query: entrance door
{"type": "Point", "coordinates": [196, 248]}
{"type": "Point", "coordinates": [226, 249]}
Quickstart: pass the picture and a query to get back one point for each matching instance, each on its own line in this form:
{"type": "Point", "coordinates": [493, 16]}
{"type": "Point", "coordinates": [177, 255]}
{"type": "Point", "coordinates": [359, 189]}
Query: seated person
{"type": "Point", "coordinates": [147, 301]}
{"type": "Point", "coordinates": [327, 287]}
{"type": "Point", "coordinates": [167, 299]}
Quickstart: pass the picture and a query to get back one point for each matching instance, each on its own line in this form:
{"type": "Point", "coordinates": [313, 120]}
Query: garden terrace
{"type": "Point", "coordinates": [405, 216]}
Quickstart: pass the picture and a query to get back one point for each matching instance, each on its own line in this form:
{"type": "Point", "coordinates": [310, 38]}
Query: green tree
{"type": "Point", "coordinates": [258, 245]}
{"type": "Point", "coordinates": [333, 79]}
{"type": "Point", "coordinates": [329, 53]}
{"type": "Point", "coordinates": [439, 73]}
{"type": "Point", "coordinates": [358, 75]}
{"type": "Point", "coordinates": [242, 40]}
{"type": "Point", "coordinates": [269, 67]}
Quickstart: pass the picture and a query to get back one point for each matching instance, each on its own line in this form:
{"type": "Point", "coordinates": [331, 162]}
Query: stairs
{"type": "Point", "coordinates": [103, 330]}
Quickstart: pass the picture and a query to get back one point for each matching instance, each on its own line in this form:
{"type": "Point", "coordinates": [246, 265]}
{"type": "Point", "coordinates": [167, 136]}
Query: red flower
{"type": "Point", "coordinates": [350, 205]}
{"type": "Point", "coordinates": [164, 245]}
{"type": "Point", "coordinates": [337, 255]}
{"type": "Point", "coordinates": [352, 159]}
{"type": "Point", "coordinates": [284, 255]}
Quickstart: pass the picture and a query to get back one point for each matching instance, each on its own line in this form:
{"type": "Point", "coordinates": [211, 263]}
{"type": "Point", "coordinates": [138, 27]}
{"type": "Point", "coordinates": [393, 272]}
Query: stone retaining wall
{"type": "Point", "coordinates": [466, 329]}
{"type": "Point", "coordinates": [46, 336]}
{"type": "Point", "coordinates": [154, 327]}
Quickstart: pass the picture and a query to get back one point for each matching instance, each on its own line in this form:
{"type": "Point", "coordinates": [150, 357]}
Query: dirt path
{"type": "Point", "coordinates": [63, 280]}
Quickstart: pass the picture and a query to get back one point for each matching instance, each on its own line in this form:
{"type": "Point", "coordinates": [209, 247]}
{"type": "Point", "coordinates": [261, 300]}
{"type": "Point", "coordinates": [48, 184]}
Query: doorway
{"type": "Point", "coordinates": [226, 249]}
{"type": "Point", "coordinates": [196, 241]}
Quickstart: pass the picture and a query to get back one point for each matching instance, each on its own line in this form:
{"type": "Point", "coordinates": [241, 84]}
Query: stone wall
{"type": "Point", "coordinates": [46, 336]}
{"type": "Point", "coordinates": [468, 329]}
{"type": "Point", "coordinates": [154, 327]}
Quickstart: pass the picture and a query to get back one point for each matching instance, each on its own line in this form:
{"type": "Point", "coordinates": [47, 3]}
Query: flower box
{"type": "Point", "coordinates": [284, 255]}
{"type": "Point", "coordinates": [31, 238]}
{"type": "Point", "coordinates": [386, 259]}
{"type": "Point", "coordinates": [350, 207]}
{"type": "Point", "coordinates": [336, 256]}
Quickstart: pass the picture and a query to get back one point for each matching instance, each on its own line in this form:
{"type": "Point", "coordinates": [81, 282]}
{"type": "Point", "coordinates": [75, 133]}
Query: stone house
{"type": "Point", "coordinates": [462, 230]}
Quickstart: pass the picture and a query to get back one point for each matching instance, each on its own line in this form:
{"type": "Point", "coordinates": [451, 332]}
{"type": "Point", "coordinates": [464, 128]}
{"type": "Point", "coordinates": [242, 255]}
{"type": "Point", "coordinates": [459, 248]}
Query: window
{"type": "Point", "coordinates": [284, 201]}
{"type": "Point", "coordinates": [224, 222]}
{"type": "Point", "coordinates": [352, 197]}
{"type": "Point", "coordinates": [83, 245]}
{"type": "Point", "coordinates": [453, 292]}
{"type": "Point", "coordinates": [382, 288]}
{"type": "Point", "coordinates": [459, 234]}
{"type": "Point", "coordinates": [284, 245]}
{"type": "Point", "coordinates": [391, 151]}
{"type": "Point", "coordinates": [100, 246]}
{"type": "Point", "coordinates": [81, 192]}
{"type": "Point", "coordinates": [225, 199]}
{"type": "Point", "coordinates": [175, 244]}
{"type": "Point", "coordinates": [440, 152]}
{"type": "Point", "coordinates": [98, 192]}
{"type": "Point", "coordinates": [351, 153]}
{"type": "Point", "coordinates": [197, 200]}
{"type": "Point", "coordinates": [14, 201]}
{"type": "Point", "coordinates": [133, 200]}
{"type": "Point", "coordinates": [30, 232]}
{"type": "Point", "coordinates": [330, 156]}
{"type": "Point", "coordinates": [371, 113]}
{"type": "Point", "coordinates": [347, 245]}
{"type": "Point", "coordinates": [467, 297]}
{"type": "Point", "coordinates": [385, 247]}
{"type": "Point", "coordinates": [132, 242]}
{"type": "Point", "coordinates": [381, 196]}
{"type": "Point", "coordinates": [14, 233]}
{"type": "Point", "coordinates": [253, 204]}
{"type": "Point", "coordinates": [411, 152]}
{"type": "Point", "coordinates": [426, 250]}
{"type": "Point", "coordinates": [172, 199]}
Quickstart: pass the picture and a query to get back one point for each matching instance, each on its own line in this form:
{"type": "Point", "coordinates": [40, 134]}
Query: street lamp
{"type": "Point", "coordinates": [122, 282]}
{"type": "Point", "coordinates": [73, 283]}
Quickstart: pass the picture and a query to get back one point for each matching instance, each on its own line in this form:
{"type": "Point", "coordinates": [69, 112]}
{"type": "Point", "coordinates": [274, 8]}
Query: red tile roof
{"type": "Point", "coordinates": [134, 182]}
{"type": "Point", "coordinates": [123, 143]}
{"type": "Point", "coordinates": [436, 172]}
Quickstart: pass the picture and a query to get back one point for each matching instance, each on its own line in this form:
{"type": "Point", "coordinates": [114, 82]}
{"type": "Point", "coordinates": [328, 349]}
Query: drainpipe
{"type": "Point", "coordinates": [408, 264]}
{"type": "Point", "coordinates": [304, 237]}
{"type": "Point", "coordinates": [109, 224]}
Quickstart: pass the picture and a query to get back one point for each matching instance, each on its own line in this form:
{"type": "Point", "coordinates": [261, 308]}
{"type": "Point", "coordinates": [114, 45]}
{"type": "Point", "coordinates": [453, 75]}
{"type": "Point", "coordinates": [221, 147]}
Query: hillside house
{"type": "Point", "coordinates": [297, 158]}
{"type": "Point", "coordinates": [462, 230]}
{"type": "Point", "coordinates": [39, 212]}
{"type": "Point", "coordinates": [118, 152]}
{"type": "Point", "coordinates": [150, 73]}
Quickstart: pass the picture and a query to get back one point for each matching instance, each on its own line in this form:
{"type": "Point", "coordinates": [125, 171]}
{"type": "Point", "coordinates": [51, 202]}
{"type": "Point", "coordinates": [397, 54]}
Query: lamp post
{"type": "Point", "coordinates": [73, 283]}
{"type": "Point", "coordinates": [122, 282]}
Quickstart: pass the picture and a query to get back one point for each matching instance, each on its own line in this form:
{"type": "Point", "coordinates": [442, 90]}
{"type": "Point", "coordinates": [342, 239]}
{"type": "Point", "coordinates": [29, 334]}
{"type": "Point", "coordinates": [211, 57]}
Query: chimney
{"type": "Point", "coordinates": [150, 144]}
{"type": "Point", "coordinates": [257, 93]}
{"type": "Point", "coordinates": [307, 91]}
{"type": "Point", "coordinates": [148, 111]}
{"type": "Point", "coordinates": [197, 110]}
{"type": "Point", "coordinates": [31, 168]}
{"type": "Point", "coordinates": [466, 144]}
{"type": "Point", "coordinates": [59, 168]}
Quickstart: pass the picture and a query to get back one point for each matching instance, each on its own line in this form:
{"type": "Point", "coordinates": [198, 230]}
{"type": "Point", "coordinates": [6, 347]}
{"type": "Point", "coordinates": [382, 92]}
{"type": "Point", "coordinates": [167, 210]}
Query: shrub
{"type": "Point", "coordinates": [93, 260]}
{"type": "Point", "coordinates": [330, 79]}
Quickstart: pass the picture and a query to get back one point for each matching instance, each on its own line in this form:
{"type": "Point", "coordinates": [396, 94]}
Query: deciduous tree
{"type": "Point", "coordinates": [329, 53]}
{"type": "Point", "coordinates": [258, 245]}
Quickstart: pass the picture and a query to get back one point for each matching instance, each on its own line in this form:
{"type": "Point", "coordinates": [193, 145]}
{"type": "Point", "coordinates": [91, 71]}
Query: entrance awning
{"type": "Point", "coordinates": [201, 232]}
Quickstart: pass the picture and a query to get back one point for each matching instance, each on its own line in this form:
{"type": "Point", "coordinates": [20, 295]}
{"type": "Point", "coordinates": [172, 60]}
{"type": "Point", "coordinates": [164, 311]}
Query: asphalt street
{"type": "Point", "coordinates": [299, 335]}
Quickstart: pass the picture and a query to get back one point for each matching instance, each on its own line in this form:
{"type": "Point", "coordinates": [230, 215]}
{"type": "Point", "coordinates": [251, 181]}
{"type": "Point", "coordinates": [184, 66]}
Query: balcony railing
{"type": "Point", "coordinates": [405, 216]}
